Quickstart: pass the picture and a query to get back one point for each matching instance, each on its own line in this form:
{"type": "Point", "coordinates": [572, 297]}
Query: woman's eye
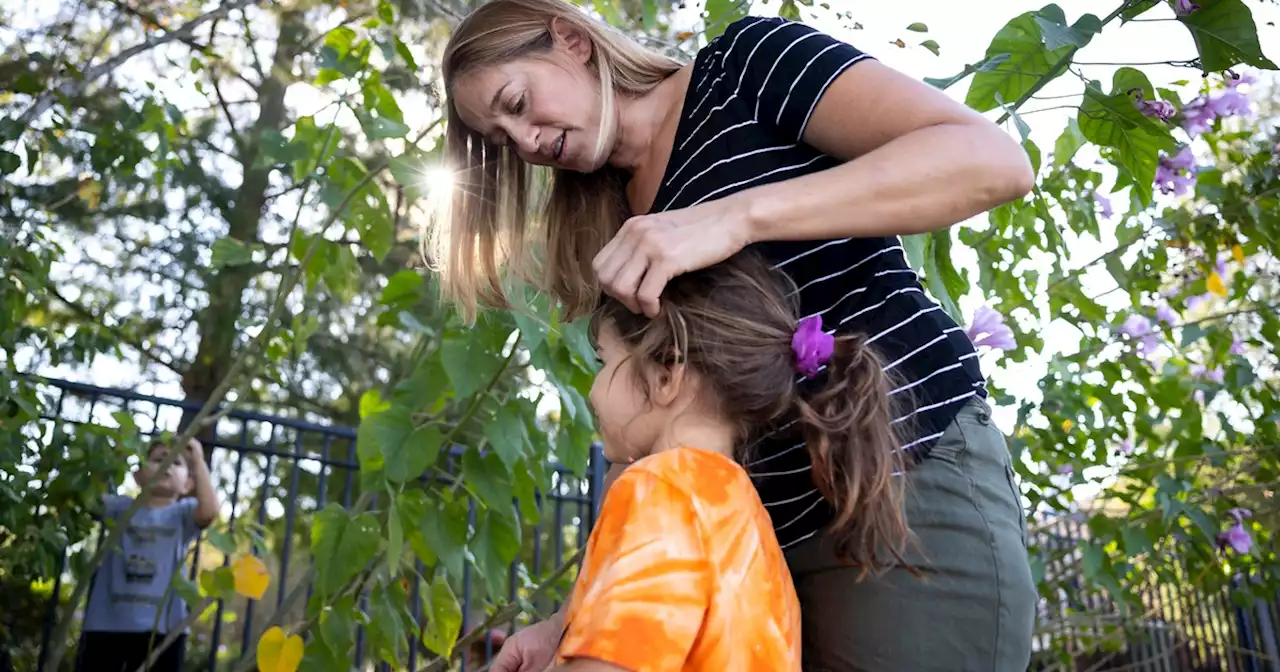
{"type": "Point", "coordinates": [518, 106]}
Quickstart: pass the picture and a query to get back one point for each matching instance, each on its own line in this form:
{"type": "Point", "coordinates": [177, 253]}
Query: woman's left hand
{"type": "Point", "coordinates": [649, 250]}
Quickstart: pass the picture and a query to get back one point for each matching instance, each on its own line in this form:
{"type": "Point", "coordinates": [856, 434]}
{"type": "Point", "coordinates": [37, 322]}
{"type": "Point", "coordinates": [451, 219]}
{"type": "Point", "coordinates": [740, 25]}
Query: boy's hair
{"type": "Point", "coordinates": [732, 323]}
{"type": "Point", "coordinates": [160, 443]}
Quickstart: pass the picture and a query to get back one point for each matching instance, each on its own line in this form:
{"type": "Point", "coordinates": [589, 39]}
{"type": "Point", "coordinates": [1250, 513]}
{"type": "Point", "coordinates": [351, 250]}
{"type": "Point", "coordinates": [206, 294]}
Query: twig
{"type": "Point", "coordinates": [173, 634]}
{"type": "Point", "coordinates": [74, 87]}
{"type": "Point", "coordinates": [503, 615]}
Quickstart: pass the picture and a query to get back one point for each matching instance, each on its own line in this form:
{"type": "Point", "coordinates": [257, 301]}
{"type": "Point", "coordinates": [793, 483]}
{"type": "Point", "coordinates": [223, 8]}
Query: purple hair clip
{"type": "Point", "coordinates": [812, 346]}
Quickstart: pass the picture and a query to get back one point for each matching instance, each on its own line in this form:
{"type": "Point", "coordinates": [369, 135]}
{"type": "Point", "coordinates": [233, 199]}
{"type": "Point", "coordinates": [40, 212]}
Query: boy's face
{"type": "Point", "coordinates": [177, 479]}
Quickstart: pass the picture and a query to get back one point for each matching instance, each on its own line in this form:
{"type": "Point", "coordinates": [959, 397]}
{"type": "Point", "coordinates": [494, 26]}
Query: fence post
{"type": "Point", "coordinates": [598, 467]}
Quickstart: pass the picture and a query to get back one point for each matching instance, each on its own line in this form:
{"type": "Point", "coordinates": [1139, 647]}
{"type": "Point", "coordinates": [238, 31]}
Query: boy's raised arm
{"type": "Point", "coordinates": [206, 497]}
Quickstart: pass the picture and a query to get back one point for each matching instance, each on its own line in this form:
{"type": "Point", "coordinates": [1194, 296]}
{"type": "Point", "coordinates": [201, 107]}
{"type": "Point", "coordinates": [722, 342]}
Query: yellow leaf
{"type": "Point", "coordinates": [1091, 401]}
{"type": "Point", "coordinates": [899, 44]}
{"type": "Point", "coordinates": [1238, 253]}
{"type": "Point", "coordinates": [251, 576]}
{"type": "Point", "coordinates": [277, 653]}
{"type": "Point", "coordinates": [683, 35]}
{"type": "Point", "coordinates": [1214, 284]}
{"type": "Point", "coordinates": [1067, 425]}
{"type": "Point", "coordinates": [90, 192]}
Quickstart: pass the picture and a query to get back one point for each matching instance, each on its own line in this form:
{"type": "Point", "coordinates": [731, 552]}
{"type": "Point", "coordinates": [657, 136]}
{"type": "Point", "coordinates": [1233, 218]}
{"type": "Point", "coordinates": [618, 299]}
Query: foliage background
{"type": "Point", "coordinates": [226, 197]}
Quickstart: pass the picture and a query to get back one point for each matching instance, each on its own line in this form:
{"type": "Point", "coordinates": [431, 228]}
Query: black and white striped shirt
{"type": "Point", "coordinates": [752, 92]}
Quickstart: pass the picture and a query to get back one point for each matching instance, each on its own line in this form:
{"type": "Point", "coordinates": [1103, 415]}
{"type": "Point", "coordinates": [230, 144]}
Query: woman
{"type": "Point", "coordinates": [782, 138]}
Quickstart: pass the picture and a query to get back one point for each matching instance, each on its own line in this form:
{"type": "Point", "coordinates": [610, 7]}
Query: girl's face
{"type": "Point", "coordinates": [176, 480]}
{"type": "Point", "coordinates": [628, 420]}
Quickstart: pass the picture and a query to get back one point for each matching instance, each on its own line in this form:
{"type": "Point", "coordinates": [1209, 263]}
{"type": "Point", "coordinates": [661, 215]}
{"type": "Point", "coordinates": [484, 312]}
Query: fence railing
{"type": "Point", "coordinates": [279, 472]}
{"type": "Point", "coordinates": [1179, 627]}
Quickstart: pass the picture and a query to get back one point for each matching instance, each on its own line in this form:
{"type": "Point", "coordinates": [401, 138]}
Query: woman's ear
{"type": "Point", "coordinates": [572, 38]}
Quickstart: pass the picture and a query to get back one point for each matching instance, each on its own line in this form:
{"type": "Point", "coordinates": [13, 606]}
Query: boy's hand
{"type": "Point", "coordinates": [195, 450]}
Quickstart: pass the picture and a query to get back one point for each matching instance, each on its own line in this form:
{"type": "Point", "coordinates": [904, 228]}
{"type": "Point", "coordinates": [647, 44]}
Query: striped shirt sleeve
{"type": "Point", "coordinates": [784, 68]}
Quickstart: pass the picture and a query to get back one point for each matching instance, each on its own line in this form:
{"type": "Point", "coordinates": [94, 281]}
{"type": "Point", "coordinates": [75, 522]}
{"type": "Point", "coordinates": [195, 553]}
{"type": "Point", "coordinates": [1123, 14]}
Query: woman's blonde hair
{"type": "Point", "coordinates": [486, 230]}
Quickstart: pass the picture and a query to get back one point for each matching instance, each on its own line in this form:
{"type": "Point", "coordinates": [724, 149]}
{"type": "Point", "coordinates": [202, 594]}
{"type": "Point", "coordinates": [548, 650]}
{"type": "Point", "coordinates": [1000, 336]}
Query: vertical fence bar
{"type": "Point", "coordinates": [291, 510]}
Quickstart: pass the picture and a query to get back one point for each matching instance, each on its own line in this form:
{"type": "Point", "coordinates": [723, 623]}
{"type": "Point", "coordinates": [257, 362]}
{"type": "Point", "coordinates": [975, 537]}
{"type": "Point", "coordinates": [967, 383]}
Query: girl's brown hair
{"type": "Point", "coordinates": [485, 229]}
{"type": "Point", "coordinates": [732, 324]}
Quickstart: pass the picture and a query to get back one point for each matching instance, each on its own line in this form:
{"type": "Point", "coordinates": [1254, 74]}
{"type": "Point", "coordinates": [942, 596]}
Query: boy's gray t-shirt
{"type": "Point", "coordinates": [132, 581]}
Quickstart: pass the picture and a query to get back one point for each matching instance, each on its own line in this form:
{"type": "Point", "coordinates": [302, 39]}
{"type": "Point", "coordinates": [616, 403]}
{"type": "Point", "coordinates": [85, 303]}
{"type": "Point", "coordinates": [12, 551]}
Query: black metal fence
{"type": "Point", "coordinates": [274, 469]}
{"type": "Point", "coordinates": [279, 472]}
{"type": "Point", "coordinates": [1179, 626]}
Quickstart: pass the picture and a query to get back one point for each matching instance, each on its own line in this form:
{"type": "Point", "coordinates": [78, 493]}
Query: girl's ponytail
{"type": "Point", "coordinates": [857, 456]}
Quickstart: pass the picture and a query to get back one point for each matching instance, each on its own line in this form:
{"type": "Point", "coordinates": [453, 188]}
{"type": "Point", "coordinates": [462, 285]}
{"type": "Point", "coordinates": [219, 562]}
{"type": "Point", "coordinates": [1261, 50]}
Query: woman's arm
{"type": "Point", "coordinates": [915, 161]}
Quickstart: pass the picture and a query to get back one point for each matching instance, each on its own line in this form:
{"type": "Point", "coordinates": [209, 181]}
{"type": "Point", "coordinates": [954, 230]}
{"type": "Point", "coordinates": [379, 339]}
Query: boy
{"type": "Point", "coordinates": [134, 578]}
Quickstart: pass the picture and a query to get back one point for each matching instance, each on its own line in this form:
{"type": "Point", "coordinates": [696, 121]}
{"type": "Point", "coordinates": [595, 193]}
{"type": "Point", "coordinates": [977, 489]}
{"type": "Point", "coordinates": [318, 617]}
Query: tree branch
{"type": "Point", "coordinates": [76, 87]}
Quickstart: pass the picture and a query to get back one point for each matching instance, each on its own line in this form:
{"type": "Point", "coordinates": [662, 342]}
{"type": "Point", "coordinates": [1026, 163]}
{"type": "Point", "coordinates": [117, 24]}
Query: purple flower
{"type": "Point", "coordinates": [1183, 160]}
{"type": "Point", "coordinates": [1184, 7]}
{"type": "Point", "coordinates": [1199, 300]}
{"type": "Point", "coordinates": [1125, 447]}
{"type": "Point", "coordinates": [1215, 375]}
{"type": "Point", "coordinates": [1237, 346]}
{"type": "Point", "coordinates": [1156, 109]}
{"type": "Point", "coordinates": [988, 329]}
{"type": "Point", "coordinates": [1176, 174]}
{"type": "Point", "coordinates": [1230, 103]}
{"type": "Point", "coordinates": [1066, 469]}
{"type": "Point", "coordinates": [1198, 395]}
{"type": "Point", "coordinates": [1167, 315]}
{"type": "Point", "coordinates": [1104, 205]}
{"type": "Point", "coordinates": [1235, 80]}
{"type": "Point", "coordinates": [1197, 116]}
{"type": "Point", "coordinates": [1237, 539]}
{"type": "Point", "coordinates": [812, 346]}
{"type": "Point", "coordinates": [1138, 328]}
{"type": "Point", "coordinates": [1240, 513]}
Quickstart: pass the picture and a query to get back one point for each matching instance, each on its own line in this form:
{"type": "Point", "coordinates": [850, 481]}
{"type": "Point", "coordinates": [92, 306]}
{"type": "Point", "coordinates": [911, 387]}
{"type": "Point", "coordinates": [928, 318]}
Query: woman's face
{"type": "Point", "coordinates": [546, 107]}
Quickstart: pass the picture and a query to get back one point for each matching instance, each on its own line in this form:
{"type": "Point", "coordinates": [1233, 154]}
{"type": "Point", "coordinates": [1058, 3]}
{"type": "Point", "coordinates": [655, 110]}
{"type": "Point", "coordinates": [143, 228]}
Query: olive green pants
{"type": "Point", "coordinates": [974, 608]}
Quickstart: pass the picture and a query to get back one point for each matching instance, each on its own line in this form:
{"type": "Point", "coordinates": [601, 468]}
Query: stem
{"type": "Point", "coordinates": [173, 635]}
{"type": "Point", "coordinates": [503, 615]}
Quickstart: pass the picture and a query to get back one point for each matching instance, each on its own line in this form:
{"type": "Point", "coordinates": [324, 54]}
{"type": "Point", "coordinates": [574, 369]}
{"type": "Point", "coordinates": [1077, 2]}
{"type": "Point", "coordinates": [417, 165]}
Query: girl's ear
{"type": "Point", "coordinates": [666, 383]}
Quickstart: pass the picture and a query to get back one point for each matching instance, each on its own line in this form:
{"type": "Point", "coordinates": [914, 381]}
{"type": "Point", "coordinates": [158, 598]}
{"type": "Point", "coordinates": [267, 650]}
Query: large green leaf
{"type": "Point", "coordinates": [506, 433]}
{"type": "Point", "coordinates": [1029, 60]}
{"type": "Point", "coordinates": [1225, 35]}
{"type": "Point", "coordinates": [381, 434]}
{"type": "Point", "coordinates": [720, 13]}
{"type": "Point", "coordinates": [496, 545]}
{"type": "Point", "coordinates": [341, 546]}
{"type": "Point", "coordinates": [1056, 33]}
{"type": "Point", "coordinates": [489, 478]}
{"type": "Point", "coordinates": [1113, 120]}
{"type": "Point", "coordinates": [443, 616]}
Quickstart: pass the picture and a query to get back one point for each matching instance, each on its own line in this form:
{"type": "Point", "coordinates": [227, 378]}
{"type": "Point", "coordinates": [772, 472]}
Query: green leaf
{"type": "Point", "coordinates": [438, 529]}
{"type": "Point", "coordinates": [1070, 142]}
{"type": "Point", "coordinates": [230, 252]}
{"type": "Point", "coordinates": [1136, 9]}
{"type": "Point", "coordinates": [388, 620]}
{"type": "Point", "coordinates": [9, 162]}
{"type": "Point", "coordinates": [1033, 154]}
{"type": "Point", "coordinates": [1028, 62]}
{"type": "Point", "coordinates": [918, 27]}
{"type": "Point", "coordinates": [489, 478]}
{"type": "Point", "coordinates": [220, 540]}
{"type": "Point", "coordinates": [916, 245]}
{"type": "Point", "coordinates": [405, 54]}
{"type": "Point", "coordinates": [506, 433]}
{"type": "Point", "coordinates": [986, 65]}
{"type": "Point", "coordinates": [720, 13]}
{"type": "Point", "coordinates": [496, 545]}
{"type": "Point", "coordinates": [443, 617]}
{"type": "Point", "coordinates": [410, 459]}
{"type": "Point", "coordinates": [341, 546]}
{"type": "Point", "coordinates": [1057, 35]}
{"type": "Point", "coordinates": [1225, 35]}
{"type": "Point", "coordinates": [423, 389]}
{"type": "Point", "coordinates": [336, 631]}
{"type": "Point", "coordinates": [573, 446]}
{"type": "Point", "coordinates": [303, 327]}
{"type": "Point", "coordinates": [931, 45]}
{"type": "Point", "coordinates": [609, 11]}
{"type": "Point", "coordinates": [381, 128]}
{"type": "Point", "coordinates": [789, 10]}
{"type": "Point", "coordinates": [409, 171]}
{"type": "Point", "coordinates": [380, 435]}
{"type": "Point", "coordinates": [471, 359]}
{"type": "Point", "coordinates": [649, 14]}
{"type": "Point", "coordinates": [405, 284]}
{"type": "Point", "coordinates": [1114, 121]}
{"type": "Point", "coordinates": [365, 207]}
{"type": "Point", "coordinates": [218, 583]}
{"type": "Point", "coordinates": [944, 281]}
{"type": "Point", "coordinates": [371, 403]}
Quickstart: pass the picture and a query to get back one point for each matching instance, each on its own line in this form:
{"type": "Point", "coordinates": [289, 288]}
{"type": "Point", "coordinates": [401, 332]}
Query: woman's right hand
{"type": "Point", "coordinates": [532, 649]}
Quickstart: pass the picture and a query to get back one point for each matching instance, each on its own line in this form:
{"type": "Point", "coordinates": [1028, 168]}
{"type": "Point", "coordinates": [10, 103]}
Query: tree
{"type": "Point", "coordinates": [269, 217]}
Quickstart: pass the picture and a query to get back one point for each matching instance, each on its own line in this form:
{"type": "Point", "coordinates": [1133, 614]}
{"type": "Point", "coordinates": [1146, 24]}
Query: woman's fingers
{"type": "Point", "coordinates": [627, 282]}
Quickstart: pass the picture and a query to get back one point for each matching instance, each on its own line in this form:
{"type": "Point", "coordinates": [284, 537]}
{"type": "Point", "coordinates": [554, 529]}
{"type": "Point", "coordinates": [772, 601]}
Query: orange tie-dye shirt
{"type": "Point", "coordinates": [683, 572]}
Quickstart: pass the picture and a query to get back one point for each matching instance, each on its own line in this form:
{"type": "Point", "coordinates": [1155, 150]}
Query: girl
{"type": "Point", "coordinates": [683, 570]}
{"type": "Point", "coordinates": [784, 139]}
